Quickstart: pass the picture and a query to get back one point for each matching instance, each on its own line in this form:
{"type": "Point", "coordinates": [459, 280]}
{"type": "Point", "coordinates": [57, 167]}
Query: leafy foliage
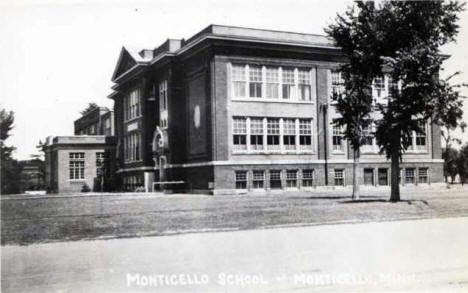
{"type": "Point", "coordinates": [462, 164]}
{"type": "Point", "coordinates": [91, 106]}
{"type": "Point", "coordinates": [402, 39]}
{"type": "Point", "coordinates": [10, 169]}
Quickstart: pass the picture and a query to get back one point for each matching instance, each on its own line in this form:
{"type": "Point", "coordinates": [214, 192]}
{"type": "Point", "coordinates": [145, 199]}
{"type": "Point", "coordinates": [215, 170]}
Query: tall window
{"type": "Point", "coordinates": [304, 85]}
{"type": "Point", "coordinates": [367, 135]}
{"type": "Point", "coordinates": [256, 133]}
{"type": "Point", "coordinates": [379, 85]}
{"type": "Point", "coordinates": [275, 179]}
{"type": "Point", "coordinates": [339, 177]}
{"type": "Point", "coordinates": [337, 138]}
{"type": "Point", "coordinates": [305, 134]}
{"type": "Point", "coordinates": [273, 134]}
{"type": "Point", "coordinates": [132, 147]}
{"type": "Point", "coordinates": [255, 81]}
{"type": "Point", "coordinates": [258, 178]}
{"type": "Point", "coordinates": [392, 87]}
{"type": "Point", "coordinates": [291, 178]}
{"type": "Point", "coordinates": [336, 82]}
{"type": "Point", "coordinates": [421, 137]}
{"type": "Point", "coordinates": [132, 104]}
{"type": "Point", "coordinates": [308, 177]}
{"type": "Point", "coordinates": [239, 81]}
{"type": "Point", "coordinates": [272, 82]}
{"type": "Point", "coordinates": [76, 165]}
{"type": "Point", "coordinates": [241, 179]}
{"type": "Point", "coordinates": [409, 175]}
{"type": "Point", "coordinates": [422, 175]}
{"type": "Point", "coordinates": [163, 95]}
{"type": "Point", "coordinates": [240, 133]}
{"type": "Point", "coordinates": [163, 103]}
{"type": "Point", "coordinates": [288, 83]}
{"type": "Point", "coordinates": [289, 134]}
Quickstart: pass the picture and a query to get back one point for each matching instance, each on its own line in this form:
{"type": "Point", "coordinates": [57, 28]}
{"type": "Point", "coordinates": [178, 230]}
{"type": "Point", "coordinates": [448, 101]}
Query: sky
{"type": "Point", "coordinates": [57, 56]}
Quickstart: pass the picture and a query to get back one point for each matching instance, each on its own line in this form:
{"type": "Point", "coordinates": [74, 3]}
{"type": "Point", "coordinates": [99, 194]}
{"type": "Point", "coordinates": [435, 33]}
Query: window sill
{"type": "Point", "coordinates": [132, 119]}
{"type": "Point", "coordinates": [338, 152]}
{"type": "Point", "coordinates": [76, 180]}
{"type": "Point", "coordinates": [272, 152]}
{"type": "Point", "coordinates": [417, 152]}
{"type": "Point", "coordinates": [265, 100]}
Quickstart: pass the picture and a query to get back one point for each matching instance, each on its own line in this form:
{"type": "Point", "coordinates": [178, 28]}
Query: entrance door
{"type": "Point", "coordinates": [369, 177]}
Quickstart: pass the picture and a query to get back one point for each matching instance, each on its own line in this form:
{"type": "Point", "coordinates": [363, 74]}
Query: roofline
{"type": "Point", "coordinates": [203, 37]}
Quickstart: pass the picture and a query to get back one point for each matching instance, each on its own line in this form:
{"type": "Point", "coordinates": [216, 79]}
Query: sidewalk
{"type": "Point", "coordinates": [427, 255]}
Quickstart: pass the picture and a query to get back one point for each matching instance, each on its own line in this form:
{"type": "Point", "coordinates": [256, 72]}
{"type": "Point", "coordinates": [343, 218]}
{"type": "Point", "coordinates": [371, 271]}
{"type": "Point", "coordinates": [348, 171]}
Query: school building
{"type": "Point", "coordinates": [234, 109]}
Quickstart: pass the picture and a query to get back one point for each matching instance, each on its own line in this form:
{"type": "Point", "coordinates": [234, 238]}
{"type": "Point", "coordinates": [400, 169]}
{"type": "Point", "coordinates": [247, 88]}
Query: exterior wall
{"type": "Point", "coordinates": [92, 120]}
{"type": "Point", "coordinates": [200, 112]}
{"type": "Point", "coordinates": [57, 162]}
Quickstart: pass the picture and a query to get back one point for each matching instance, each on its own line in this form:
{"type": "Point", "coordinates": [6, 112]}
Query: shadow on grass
{"type": "Point", "coordinates": [370, 197]}
{"type": "Point", "coordinates": [408, 201]}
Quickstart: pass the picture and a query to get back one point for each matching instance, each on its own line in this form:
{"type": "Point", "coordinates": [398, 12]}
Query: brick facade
{"type": "Point", "coordinates": [197, 146]}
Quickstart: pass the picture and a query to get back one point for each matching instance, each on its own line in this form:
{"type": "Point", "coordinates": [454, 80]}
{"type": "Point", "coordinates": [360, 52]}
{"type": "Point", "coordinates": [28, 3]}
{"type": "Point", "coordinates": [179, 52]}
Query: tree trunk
{"type": "Point", "coordinates": [355, 175]}
{"type": "Point", "coordinates": [395, 188]}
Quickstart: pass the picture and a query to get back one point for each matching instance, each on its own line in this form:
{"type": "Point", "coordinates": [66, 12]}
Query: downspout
{"type": "Point", "coordinates": [324, 108]}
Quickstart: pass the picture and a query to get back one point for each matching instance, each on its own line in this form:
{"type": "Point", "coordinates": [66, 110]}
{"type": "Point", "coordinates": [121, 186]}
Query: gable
{"type": "Point", "coordinates": [124, 63]}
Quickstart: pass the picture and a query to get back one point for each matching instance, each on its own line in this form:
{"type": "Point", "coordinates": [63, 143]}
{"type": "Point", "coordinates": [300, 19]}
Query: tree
{"type": "Point", "coordinates": [91, 106]}
{"type": "Point", "coordinates": [10, 169]}
{"type": "Point", "coordinates": [354, 103]}
{"type": "Point", "coordinates": [462, 164]}
{"type": "Point", "coordinates": [450, 157]}
{"type": "Point", "coordinates": [404, 41]}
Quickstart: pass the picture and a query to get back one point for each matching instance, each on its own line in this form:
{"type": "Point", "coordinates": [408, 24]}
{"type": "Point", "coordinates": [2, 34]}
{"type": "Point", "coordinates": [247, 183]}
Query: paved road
{"type": "Point", "coordinates": [416, 255]}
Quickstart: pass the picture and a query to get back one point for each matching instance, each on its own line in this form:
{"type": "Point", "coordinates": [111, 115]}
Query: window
{"type": "Point", "coordinates": [304, 85]}
{"type": "Point", "coordinates": [256, 133]}
{"type": "Point", "coordinates": [289, 134]}
{"type": "Point", "coordinates": [422, 175]}
{"type": "Point", "coordinates": [288, 83]}
{"type": "Point", "coordinates": [421, 137]}
{"type": "Point", "coordinates": [258, 178]}
{"type": "Point", "coordinates": [255, 81]}
{"type": "Point", "coordinates": [163, 103]}
{"type": "Point", "coordinates": [337, 82]}
{"type": "Point", "coordinates": [305, 134]}
{"type": "Point", "coordinates": [102, 160]}
{"type": "Point", "coordinates": [275, 179]}
{"type": "Point", "coordinates": [337, 139]}
{"type": "Point", "coordinates": [107, 127]}
{"type": "Point", "coordinates": [339, 177]}
{"type": "Point", "coordinates": [367, 135]}
{"type": "Point", "coordinates": [379, 85]}
{"type": "Point", "coordinates": [409, 175]}
{"type": "Point", "coordinates": [241, 179]}
{"type": "Point", "coordinates": [163, 95]}
{"type": "Point", "coordinates": [383, 176]}
{"type": "Point", "coordinates": [239, 133]}
{"type": "Point", "coordinates": [392, 87]}
{"type": "Point", "coordinates": [239, 80]}
{"type": "Point", "coordinates": [291, 178]}
{"type": "Point", "coordinates": [132, 104]}
{"type": "Point", "coordinates": [132, 145]}
{"type": "Point", "coordinates": [76, 165]}
{"type": "Point", "coordinates": [272, 83]}
{"type": "Point", "coordinates": [273, 131]}
{"type": "Point", "coordinates": [308, 177]}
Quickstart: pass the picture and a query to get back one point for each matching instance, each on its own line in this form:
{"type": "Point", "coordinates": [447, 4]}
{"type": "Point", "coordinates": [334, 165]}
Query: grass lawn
{"type": "Point", "coordinates": [27, 221]}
